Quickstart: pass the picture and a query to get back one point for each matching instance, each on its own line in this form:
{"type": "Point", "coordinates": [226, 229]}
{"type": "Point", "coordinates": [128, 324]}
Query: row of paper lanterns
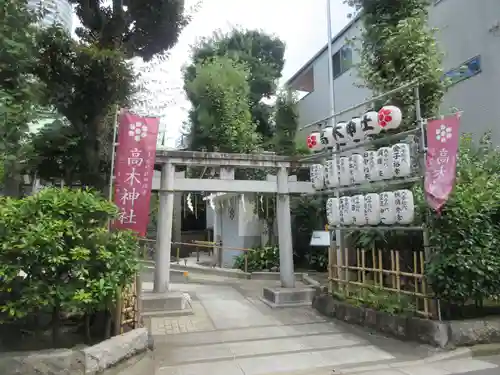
{"type": "Point", "coordinates": [357, 130]}
{"type": "Point", "coordinates": [383, 164]}
{"type": "Point", "coordinates": [386, 208]}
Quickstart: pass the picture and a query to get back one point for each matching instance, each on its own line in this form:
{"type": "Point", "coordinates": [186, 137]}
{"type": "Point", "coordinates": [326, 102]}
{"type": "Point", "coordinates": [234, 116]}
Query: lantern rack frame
{"type": "Point", "coordinates": [417, 176]}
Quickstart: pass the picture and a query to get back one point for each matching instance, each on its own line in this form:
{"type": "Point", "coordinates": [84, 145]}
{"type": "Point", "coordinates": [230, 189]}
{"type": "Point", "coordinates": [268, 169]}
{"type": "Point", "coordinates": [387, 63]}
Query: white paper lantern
{"type": "Point", "coordinates": [405, 206]}
{"type": "Point", "coordinates": [314, 141]}
{"type": "Point", "coordinates": [356, 169]}
{"type": "Point", "coordinates": [390, 117]}
{"type": "Point", "coordinates": [317, 176]}
{"type": "Point", "coordinates": [340, 134]}
{"type": "Point", "coordinates": [369, 123]}
{"type": "Point", "coordinates": [354, 130]}
{"type": "Point", "coordinates": [384, 163]}
{"type": "Point", "coordinates": [345, 211]}
{"type": "Point", "coordinates": [333, 211]}
{"type": "Point", "coordinates": [344, 173]}
{"type": "Point", "coordinates": [401, 160]}
{"type": "Point", "coordinates": [327, 137]}
{"type": "Point", "coordinates": [358, 210]}
{"type": "Point", "coordinates": [370, 166]}
{"type": "Point", "coordinates": [372, 209]}
{"type": "Point", "coordinates": [387, 208]}
{"type": "Point", "coordinates": [331, 173]}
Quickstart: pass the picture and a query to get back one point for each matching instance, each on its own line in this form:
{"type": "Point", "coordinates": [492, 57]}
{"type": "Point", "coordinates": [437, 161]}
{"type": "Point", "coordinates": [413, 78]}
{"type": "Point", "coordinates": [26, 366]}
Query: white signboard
{"type": "Point", "coordinates": [320, 238]}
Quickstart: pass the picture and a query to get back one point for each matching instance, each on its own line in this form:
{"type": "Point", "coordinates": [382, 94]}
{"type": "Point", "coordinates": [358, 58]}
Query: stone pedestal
{"type": "Point", "coordinates": [165, 304]}
{"type": "Point", "coordinates": [287, 297]}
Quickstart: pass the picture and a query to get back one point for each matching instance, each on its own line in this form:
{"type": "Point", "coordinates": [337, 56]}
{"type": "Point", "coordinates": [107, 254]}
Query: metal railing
{"type": "Point", "coordinates": [148, 249]}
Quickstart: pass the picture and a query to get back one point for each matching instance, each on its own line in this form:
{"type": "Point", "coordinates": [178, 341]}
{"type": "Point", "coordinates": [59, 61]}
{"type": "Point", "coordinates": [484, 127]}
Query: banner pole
{"type": "Point", "coordinates": [113, 149]}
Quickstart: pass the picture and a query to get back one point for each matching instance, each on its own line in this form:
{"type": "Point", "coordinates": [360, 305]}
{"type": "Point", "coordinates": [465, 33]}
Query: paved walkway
{"type": "Point", "coordinates": [233, 333]}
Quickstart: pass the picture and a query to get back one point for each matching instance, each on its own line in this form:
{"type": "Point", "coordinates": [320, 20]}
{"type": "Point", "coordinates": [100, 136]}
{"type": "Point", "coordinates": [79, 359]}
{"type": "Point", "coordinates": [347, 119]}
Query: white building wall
{"type": "Point", "coordinates": [466, 30]}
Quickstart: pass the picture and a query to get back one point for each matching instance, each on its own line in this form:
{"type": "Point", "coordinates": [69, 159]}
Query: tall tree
{"type": "Point", "coordinates": [220, 119]}
{"type": "Point", "coordinates": [140, 28]}
{"type": "Point", "coordinates": [19, 93]}
{"type": "Point", "coordinates": [398, 47]}
{"type": "Point", "coordinates": [262, 54]}
{"type": "Point", "coordinates": [84, 83]}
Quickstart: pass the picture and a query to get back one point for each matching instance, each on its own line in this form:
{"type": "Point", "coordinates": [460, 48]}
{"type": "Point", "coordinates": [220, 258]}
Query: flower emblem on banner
{"type": "Point", "coordinates": [138, 131]}
{"type": "Point", "coordinates": [443, 133]}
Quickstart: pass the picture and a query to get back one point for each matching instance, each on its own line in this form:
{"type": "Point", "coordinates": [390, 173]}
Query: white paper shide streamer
{"type": "Point", "coordinates": [189, 203]}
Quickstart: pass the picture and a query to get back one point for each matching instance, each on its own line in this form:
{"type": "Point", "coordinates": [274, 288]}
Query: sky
{"type": "Point", "coordinates": [301, 24]}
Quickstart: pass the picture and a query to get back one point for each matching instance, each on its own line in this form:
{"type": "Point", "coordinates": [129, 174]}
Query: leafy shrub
{"type": "Point", "coordinates": [378, 299]}
{"type": "Point", "coordinates": [59, 239]}
{"type": "Point", "coordinates": [466, 235]}
{"type": "Point", "coordinates": [259, 259]}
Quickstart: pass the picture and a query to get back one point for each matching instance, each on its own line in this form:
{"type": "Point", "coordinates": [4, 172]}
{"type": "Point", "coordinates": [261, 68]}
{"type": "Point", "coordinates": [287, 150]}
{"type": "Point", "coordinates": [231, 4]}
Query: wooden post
{"type": "Point", "coordinates": [138, 301]}
{"type": "Point", "coordinates": [118, 311]}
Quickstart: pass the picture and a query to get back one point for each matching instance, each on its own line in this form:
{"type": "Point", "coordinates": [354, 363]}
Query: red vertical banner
{"type": "Point", "coordinates": [443, 138]}
{"type": "Point", "coordinates": [134, 169]}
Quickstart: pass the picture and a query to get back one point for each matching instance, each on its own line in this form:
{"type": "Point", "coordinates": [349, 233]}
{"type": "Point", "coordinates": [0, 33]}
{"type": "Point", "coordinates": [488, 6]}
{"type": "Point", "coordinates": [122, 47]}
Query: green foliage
{"type": "Point", "coordinates": [308, 215]}
{"type": "Point", "coordinates": [140, 28]}
{"type": "Point", "coordinates": [259, 259]}
{"type": "Point", "coordinates": [59, 238]}
{"type": "Point", "coordinates": [378, 299]}
{"type": "Point", "coordinates": [77, 73]}
{"type": "Point", "coordinates": [397, 48]}
{"type": "Point", "coordinates": [263, 56]}
{"type": "Point", "coordinates": [19, 93]}
{"type": "Point", "coordinates": [466, 235]}
{"type": "Point", "coordinates": [56, 153]}
{"type": "Point", "coordinates": [221, 119]}
{"type": "Point", "coordinates": [286, 124]}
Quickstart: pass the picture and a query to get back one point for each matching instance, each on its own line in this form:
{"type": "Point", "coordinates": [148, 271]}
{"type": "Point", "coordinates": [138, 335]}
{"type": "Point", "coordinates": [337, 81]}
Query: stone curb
{"type": "Point", "coordinates": [485, 350]}
{"type": "Point", "coordinates": [88, 361]}
{"type": "Point", "coordinates": [110, 352]}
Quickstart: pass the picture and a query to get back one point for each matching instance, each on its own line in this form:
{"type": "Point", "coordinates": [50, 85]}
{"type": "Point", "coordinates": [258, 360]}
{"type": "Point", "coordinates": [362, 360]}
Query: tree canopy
{"type": "Point", "coordinates": [141, 28]}
{"type": "Point", "coordinates": [398, 47]}
{"type": "Point", "coordinates": [263, 56]}
{"type": "Point", "coordinates": [19, 92]}
{"type": "Point", "coordinates": [84, 83]}
{"type": "Point", "coordinates": [221, 120]}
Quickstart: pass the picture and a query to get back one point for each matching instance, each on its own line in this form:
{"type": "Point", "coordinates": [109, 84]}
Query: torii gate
{"type": "Point", "coordinates": [171, 183]}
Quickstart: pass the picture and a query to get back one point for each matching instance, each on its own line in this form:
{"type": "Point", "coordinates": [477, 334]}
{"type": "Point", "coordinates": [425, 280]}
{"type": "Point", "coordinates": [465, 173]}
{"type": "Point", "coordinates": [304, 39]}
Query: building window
{"type": "Point", "coordinates": [342, 61]}
{"type": "Point", "coordinates": [466, 70]}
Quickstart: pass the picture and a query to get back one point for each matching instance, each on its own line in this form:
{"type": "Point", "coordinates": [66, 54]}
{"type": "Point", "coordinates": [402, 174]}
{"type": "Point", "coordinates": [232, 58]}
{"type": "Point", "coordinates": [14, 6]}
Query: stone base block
{"type": "Point", "coordinates": [288, 297]}
{"type": "Point", "coordinates": [157, 303]}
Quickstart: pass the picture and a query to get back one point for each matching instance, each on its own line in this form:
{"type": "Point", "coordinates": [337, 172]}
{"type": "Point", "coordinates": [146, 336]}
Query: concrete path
{"type": "Point", "coordinates": [233, 333]}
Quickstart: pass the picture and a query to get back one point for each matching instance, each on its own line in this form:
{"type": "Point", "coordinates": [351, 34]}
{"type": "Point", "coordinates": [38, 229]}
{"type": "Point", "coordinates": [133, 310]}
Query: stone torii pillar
{"type": "Point", "coordinates": [164, 233]}
{"type": "Point", "coordinates": [287, 275]}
